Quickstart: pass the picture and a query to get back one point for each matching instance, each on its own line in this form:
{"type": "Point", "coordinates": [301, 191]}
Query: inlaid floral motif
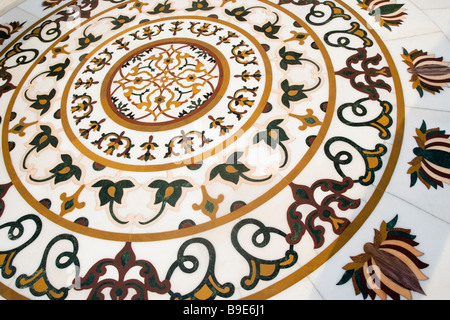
{"type": "Point", "coordinates": [389, 266]}
{"type": "Point", "coordinates": [429, 73]}
{"type": "Point", "coordinates": [431, 163]}
{"type": "Point", "coordinates": [192, 150]}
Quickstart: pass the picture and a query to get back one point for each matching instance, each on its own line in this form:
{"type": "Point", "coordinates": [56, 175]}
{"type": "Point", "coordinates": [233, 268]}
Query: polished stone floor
{"type": "Point", "coordinates": [225, 149]}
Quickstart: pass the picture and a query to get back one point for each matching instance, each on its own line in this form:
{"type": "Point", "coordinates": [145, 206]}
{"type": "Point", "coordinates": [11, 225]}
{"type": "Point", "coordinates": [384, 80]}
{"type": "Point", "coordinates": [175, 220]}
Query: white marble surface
{"type": "Point", "coordinates": [425, 212]}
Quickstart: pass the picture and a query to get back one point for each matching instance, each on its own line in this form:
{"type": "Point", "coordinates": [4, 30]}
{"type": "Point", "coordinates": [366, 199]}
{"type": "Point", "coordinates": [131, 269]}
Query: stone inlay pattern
{"type": "Point", "coordinates": [225, 134]}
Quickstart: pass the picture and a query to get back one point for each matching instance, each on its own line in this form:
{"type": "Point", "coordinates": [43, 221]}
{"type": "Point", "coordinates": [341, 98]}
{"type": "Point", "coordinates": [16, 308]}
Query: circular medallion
{"type": "Point", "coordinates": [160, 84]}
{"type": "Point", "coordinates": [224, 125]}
{"type": "Point", "coordinates": [161, 90]}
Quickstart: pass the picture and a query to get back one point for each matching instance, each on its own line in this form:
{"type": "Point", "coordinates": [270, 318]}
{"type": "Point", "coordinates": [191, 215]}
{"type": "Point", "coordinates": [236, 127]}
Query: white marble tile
{"type": "Point", "coordinates": [224, 255]}
{"type": "Point", "coordinates": [34, 7]}
{"type": "Point", "coordinates": [302, 290]}
{"type": "Point", "coordinates": [7, 5]}
{"type": "Point", "coordinates": [435, 4]}
{"type": "Point", "coordinates": [415, 23]}
{"type": "Point", "coordinates": [419, 195]}
{"type": "Point", "coordinates": [440, 17]}
{"type": "Point", "coordinates": [432, 244]}
{"type": "Point", "coordinates": [436, 44]}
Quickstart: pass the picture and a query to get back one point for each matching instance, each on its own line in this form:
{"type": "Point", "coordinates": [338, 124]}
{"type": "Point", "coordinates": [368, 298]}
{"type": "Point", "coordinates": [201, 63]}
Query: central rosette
{"type": "Point", "coordinates": [173, 92]}
{"type": "Point", "coordinates": [165, 82]}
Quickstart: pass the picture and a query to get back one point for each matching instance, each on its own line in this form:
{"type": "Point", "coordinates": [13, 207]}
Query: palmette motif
{"type": "Point", "coordinates": [207, 130]}
{"type": "Point", "coordinates": [389, 267]}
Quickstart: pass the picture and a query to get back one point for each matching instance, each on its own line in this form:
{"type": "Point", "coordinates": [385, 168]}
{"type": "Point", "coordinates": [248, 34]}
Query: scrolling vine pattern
{"type": "Point", "coordinates": [93, 280]}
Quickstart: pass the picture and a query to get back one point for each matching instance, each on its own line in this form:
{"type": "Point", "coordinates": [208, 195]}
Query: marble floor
{"type": "Point", "coordinates": [267, 150]}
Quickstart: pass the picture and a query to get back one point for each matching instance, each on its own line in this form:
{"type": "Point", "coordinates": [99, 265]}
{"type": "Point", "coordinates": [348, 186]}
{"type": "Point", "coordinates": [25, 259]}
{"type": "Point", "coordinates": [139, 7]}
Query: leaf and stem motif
{"type": "Point", "coordinates": [94, 126]}
{"type": "Point", "coordinates": [148, 147]}
{"type": "Point", "coordinates": [270, 29]}
{"type": "Point", "coordinates": [186, 142]}
{"type": "Point", "coordinates": [41, 141]}
{"type": "Point", "coordinates": [295, 92]}
{"type": "Point", "coordinates": [112, 193]}
{"type": "Point", "coordinates": [432, 162]}
{"type": "Point", "coordinates": [99, 62]}
{"type": "Point", "coordinates": [167, 193]}
{"type": "Point", "coordinates": [42, 102]}
{"type": "Point", "coordinates": [242, 55]}
{"type": "Point", "coordinates": [241, 99]}
{"type": "Point", "coordinates": [219, 123]}
{"type": "Point", "coordinates": [148, 33]}
{"type": "Point", "coordinates": [246, 75]}
{"type": "Point", "coordinates": [389, 267]}
{"type": "Point", "coordinates": [429, 73]}
{"type": "Point", "coordinates": [120, 21]}
{"type": "Point", "coordinates": [240, 12]}
{"type": "Point", "coordinates": [274, 136]}
{"type": "Point", "coordinates": [201, 5]}
{"type": "Point", "coordinates": [57, 70]}
{"type": "Point", "coordinates": [204, 29]}
{"type": "Point", "coordinates": [87, 39]}
{"type": "Point", "coordinates": [293, 58]}
{"type": "Point", "coordinates": [233, 170]}
{"type": "Point", "coordinates": [86, 83]}
{"type": "Point", "coordinates": [82, 107]}
{"type": "Point", "coordinates": [115, 144]}
{"type": "Point", "coordinates": [62, 172]}
{"type": "Point", "coordinates": [162, 8]}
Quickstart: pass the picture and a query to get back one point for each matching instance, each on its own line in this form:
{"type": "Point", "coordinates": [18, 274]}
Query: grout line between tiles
{"type": "Point", "coordinates": [7, 8]}
{"type": "Point", "coordinates": [315, 285]}
{"type": "Point", "coordinates": [416, 206]}
{"type": "Point", "coordinates": [414, 36]}
{"type": "Point", "coordinates": [443, 31]}
{"type": "Point", "coordinates": [427, 109]}
{"type": "Point", "coordinates": [315, 288]}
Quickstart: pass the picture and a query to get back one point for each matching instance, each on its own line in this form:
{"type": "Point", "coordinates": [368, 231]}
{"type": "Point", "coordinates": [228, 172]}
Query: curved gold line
{"type": "Point", "coordinates": [9, 294]}
{"type": "Point", "coordinates": [356, 224]}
